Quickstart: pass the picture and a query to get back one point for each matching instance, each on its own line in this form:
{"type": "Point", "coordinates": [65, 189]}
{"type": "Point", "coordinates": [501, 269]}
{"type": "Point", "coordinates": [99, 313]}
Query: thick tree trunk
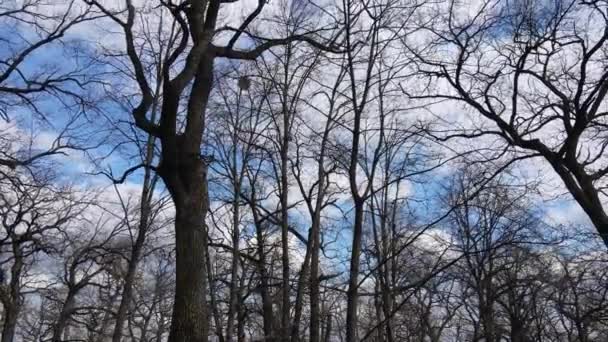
{"type": "Point", "coordinates": [583, 190]}
{"type": "Point", "coordinates": [184, 172]}
{"type": "Point", "coordinates": [487, 320]}
{"type": "Point", "coordinates": [189, 320]}
{"type": "Point", "coordinates": [12, 300]}
{"type": "Point", "coordinates": [10, 323]}
{"type": "Point", "coordinates": [518, 331]}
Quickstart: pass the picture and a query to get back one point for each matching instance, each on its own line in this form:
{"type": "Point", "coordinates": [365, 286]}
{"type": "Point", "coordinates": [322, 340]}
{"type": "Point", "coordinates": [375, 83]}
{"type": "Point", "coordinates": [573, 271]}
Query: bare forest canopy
{"type": "Point", "coordinates": [303, 170]}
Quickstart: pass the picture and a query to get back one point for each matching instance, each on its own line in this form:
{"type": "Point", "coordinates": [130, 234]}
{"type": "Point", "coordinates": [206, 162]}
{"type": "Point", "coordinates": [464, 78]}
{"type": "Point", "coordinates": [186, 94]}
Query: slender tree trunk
{"type": "Point", "coordinates": [64, 316]}
{"type": "Point", "coordinates": [314, 280]}
{"type": "Point", "coordinates": [107, 318]}
{"type": "Point", "coordinates": [316, 247]}
{"type": "Point", "coordinates": [142, 231]}
{"type": "Point", "coordinates": [241, 313]}
{"type": "Point", "coordinates": [384, 269]}
{"type": "Point", "coordinates": [234, 298]}
{"type": "Point", "coordinates": [127, 292]}
{"type": "Point", "coordinates": [145, 327]}
{"type": "Point", "coordinates": [285, 303]}
{"type": "Point", "coordinates": [214, 310]}
{"type": "Point", "coordinates": [327, 337]}
{"type": "Point", "coordinates": [267, 311]}
{"type": "Point", "coordinates": [284, 202]}
{"type": "Point", "coordinates": [352, 294]}
{"type": "Point", "coordinates": [304, 274]}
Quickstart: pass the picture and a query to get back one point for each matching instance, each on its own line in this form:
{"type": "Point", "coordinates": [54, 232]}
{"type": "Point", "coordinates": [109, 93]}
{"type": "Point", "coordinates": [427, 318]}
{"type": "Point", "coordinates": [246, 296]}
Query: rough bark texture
{"type": "Point", "coordinates": [11, 296]}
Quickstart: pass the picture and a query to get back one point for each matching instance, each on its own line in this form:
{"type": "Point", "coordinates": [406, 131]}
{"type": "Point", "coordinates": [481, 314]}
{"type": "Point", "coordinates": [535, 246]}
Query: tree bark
{"type": "Point", "coordinates": [184, 172]}
{"type": "Point", "coordinates": [234, 288]}
{"type": "Point", "coordinates": [189, 320]}
{"type": "Point", "coordinates": [304, 274]}
{"type": "Point", "coordinates": [315, 323]}
{"type": "Point", "coordinates": [267, 310]}
{"type": "Point", "coordinates": [64, 315]}
{"type": "Point", "coordinates": [327, 337]}
{"type": "Point", "coordinates": [285, 303]}
{"type": "Point", "coordinates": [353, 280]}
{"type": "Point", "coordinates": [12, 300]}
{"type": "Point", "coordinates": [145, 209]}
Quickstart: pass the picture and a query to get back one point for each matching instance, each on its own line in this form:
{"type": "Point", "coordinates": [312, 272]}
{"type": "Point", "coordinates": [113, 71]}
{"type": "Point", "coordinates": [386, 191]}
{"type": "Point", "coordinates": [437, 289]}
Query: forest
{"type": "Point", "coordinates": [303, 170]}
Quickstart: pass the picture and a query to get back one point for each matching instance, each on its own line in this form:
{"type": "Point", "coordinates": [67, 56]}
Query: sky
{"type": "Point", "coordinates": [92, 127]}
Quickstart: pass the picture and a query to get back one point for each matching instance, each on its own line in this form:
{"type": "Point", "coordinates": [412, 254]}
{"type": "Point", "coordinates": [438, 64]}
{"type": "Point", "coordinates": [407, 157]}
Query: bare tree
{"type": "Point", "coordinates": [183, 168]}
{"type": "Point", "coordinates": [32, 210]}
{"type": "Point", "coordinates": [83, 263]}
{"type": "Point", "coordinates": [35, 29]}
{"type": "Point", "coordinates": [536, 73]}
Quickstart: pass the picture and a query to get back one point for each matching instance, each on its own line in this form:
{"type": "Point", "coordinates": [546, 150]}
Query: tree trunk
{"type": "Point", "coordinates": [241, 312]}
{"type": "Point", "coordinates": [314, 262]}
{"type": "Point", "coordinates": [285, 138]}
{"type": "Point", "coordinates": [64, 315]}
{"type": "Point", "coordinates": [267, 311]}
{"type": "Point", "coordinates": [304, 273]}
{"type": "Point", "coordinates": [353, 280]}
{"type": "Point", "coordinates": [234, 298]}
{"type": "Point", "coordinates": [285, 240]}
{"type": "Point", "coordinates": [184, 172]}
{"type": "Point", "coordinates": [12, 304]}
{"type": "Point", "coordinates": [518, 331]}
{"type": "Point", "coordinates": [327, 337]}
{"type": "Point", "coordinates": [10, 323]}
{"type": "Point", "coordinates": [189, 320]}
{"type": "Point", "coordinates": [127, 291]}
{"type": "Point", "coordinates": [100, 334]}
{"type": "Point", "coordinates": [142, 231]}
{"type": "Point", "coordinates": [213, 302]}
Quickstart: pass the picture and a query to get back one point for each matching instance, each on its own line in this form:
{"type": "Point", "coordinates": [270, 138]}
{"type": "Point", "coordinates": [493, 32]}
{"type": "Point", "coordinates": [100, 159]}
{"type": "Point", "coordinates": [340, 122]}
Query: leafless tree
{"type": "Point", "coordinates": [32, 212]}
{"type": "Point", "coordinates": [187, 75]}
{"type": "Point", "coordinates": [535, 73]}
{"type": "Point", "coordinates": [35, 29]}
